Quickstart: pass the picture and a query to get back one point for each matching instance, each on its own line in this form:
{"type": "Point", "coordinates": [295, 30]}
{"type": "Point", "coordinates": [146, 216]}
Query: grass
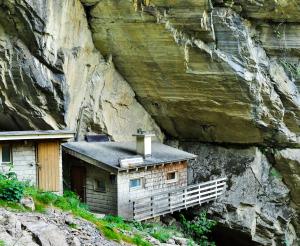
{"type": "Point", "coordinates": [73, 226]}
{"type": "Point", "coordinates": [2, 243]}
{"type": "Point", "coordinates": [158, 231]}
{"type": "Point", "coordinates": [13, 206]}
{"type": "Point", "coordinates": [112, 227]}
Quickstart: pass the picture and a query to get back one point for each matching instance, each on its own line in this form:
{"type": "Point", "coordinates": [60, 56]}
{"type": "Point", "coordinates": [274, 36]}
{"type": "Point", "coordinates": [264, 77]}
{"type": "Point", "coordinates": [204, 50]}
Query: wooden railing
{"type": "Point", "coordinates": [178, 199]}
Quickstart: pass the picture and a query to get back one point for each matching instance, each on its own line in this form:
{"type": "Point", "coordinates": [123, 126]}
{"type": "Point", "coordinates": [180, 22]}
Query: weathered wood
{"type": "Point", "coordinates": [168, 202]}
{"type": "Point", "coordinates": [48, 160]}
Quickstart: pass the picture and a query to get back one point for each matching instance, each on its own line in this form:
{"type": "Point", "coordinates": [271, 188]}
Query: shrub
{"type": "Point", "coordinates": [11, 190]}
{"type": "Point", "coordinates": [198, 228]}
{"type": "Point", "coordinates": [162, 235]}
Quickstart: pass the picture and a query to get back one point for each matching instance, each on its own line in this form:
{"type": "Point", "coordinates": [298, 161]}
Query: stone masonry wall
{"type": "Point", "coordinates": [154, 181]}
{"type": "Point", "coordinates": [24, 162]}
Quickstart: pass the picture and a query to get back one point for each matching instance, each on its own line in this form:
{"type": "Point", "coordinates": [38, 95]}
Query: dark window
{"type": "Point", "coordinates": [172, 176]}
{"type": "Point", "coordinates": [99, 185]}
{"type": "Point", "coordinates": [6, 153]}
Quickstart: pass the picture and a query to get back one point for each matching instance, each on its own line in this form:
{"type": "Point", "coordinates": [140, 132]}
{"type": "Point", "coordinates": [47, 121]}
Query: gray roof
{"type": "Point", "coordinates": [109, 153]}
{"type": "Point", "coordinates": [36, 134]}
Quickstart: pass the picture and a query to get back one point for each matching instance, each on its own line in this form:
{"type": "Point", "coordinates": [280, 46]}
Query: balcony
{"type": "Point", "coordinates": [178, 199]}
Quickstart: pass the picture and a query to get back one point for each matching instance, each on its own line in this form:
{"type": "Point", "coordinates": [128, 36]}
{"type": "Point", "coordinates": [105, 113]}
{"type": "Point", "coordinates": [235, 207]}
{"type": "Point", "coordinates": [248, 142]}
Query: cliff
{"type": "Point", "coordinates": [218, 78]}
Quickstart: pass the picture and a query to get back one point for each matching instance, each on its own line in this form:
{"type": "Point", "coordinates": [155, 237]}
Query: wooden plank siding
{"type": "Point", "coordinates": [102, 202]}
{"type": "Point", "coordinates": [48, 166]}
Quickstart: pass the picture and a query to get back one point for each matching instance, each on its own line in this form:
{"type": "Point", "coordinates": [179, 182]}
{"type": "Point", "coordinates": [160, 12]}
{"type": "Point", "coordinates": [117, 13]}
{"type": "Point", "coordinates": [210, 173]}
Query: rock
{"type": "Point", "coordinates": [171, 241]}
{"type": "Point", "coordinates": [153, 240]}
{"type": "Point", "coordinates": [75, 242]}
{"type": "Point", "coordinates": [46, 234]}
{"type": "Point", "coordinates": [256, 202]}
{"type": "Point", "coordinates": [49, 58]}
{"type": "Point", "coordinates": [69, 219]}
{"type": "Point", "coordinates": [50, 228]}
{"type": "Point", "coordinates": [169, 220]}
{"type": "Point", "coordinates": [229, 84]}
{"type": "Point", "coordinates": [99, 216]}
{"type": "Point", "coordinates": [287, 162]}
{"type": "Point", "coordinates": [28, 202]}
{"type": "Point", "coordinates": [12, 224]}
{"type": "Point", "coordinates": [181, 241]}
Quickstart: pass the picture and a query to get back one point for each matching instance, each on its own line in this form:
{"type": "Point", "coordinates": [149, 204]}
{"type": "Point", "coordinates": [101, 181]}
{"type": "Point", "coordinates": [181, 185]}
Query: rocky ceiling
{"type": "Point", "coordinates": [220, 71]}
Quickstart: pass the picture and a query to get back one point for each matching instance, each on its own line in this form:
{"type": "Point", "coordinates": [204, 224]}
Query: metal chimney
{"type": "Point", "coordinates": [143, 143]}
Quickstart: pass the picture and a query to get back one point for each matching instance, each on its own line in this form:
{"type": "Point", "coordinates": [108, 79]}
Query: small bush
{"type": "Point", "coordinates": [162, 235]}
{"type": "Point", "coordinates": [198, 228]}
{"type": "Point", "coordinates": [11, 190]}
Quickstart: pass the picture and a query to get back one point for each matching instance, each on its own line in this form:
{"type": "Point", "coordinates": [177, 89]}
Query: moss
{"type": "Point", "coordinates": [275, 173]}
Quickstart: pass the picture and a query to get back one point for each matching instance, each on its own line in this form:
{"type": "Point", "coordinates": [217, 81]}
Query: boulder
{"type": "Point", "coordinates": [28, 202]}
{"type": "Point", "coordinates": [46, 234]}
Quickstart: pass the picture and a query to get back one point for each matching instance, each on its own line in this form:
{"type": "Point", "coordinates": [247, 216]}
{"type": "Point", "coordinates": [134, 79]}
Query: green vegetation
{"type": "Point", "coordinates": [275, 173]}
{"type": "Point", "coordinates": [161, 233]}
{"type": "Point", "coordinates": [112, 227]}
{"type": "Point", "coordinates": [2, 243]}
{"type": "Point", "coordinates": [198, 228]}
{"type": "Point", "coordinates": [10, 188]}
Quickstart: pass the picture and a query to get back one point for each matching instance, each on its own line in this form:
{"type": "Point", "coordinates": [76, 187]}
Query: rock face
{"type": "Point", "coordinates": [50, 229]}
{"type": "Point", "coordinates": [287, 161]}
{"type": "Point", "coordinates": [257, 200]}
{"type": "Point", "coordinates": [214, 71]}
{"type": "Point", "coordinates": [53, 77]}
{"type": "Point", "coordinates": [204, 72]}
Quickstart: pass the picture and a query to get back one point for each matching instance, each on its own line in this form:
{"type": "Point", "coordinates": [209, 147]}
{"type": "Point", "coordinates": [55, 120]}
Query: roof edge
{"type": "Point", "coordinates": [89, 159]}
{"type": "Point", "coordinates": [34, 135]}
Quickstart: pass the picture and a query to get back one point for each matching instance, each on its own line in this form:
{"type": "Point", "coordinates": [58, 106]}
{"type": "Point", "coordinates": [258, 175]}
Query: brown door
{"type": "Point", "coordinates": [48, 166]}
{"type": "Point", "coordinates": [78, 176]}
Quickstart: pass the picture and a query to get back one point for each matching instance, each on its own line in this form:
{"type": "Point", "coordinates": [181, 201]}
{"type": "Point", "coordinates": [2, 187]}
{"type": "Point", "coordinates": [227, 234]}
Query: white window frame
{"type": "Point", "coordinates": [6, 163]}
{"type": "Point", "coordinates": [172, 180]}
{"type": "Point", "coordinates": [136, 187]}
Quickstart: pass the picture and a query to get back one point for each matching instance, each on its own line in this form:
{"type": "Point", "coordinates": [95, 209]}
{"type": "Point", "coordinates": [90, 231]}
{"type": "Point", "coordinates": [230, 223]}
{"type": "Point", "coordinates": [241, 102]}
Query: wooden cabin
{"type": "Point", "coordinates": [135, 180]}
{"type": "Point", "coordinates": [35, 156]}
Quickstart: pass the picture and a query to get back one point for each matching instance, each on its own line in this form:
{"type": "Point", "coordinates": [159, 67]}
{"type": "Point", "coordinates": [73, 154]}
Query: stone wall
{"type": "Point", "coordinates": [154, 181]}
{"type": "Point", "coordinates": [24, 161]}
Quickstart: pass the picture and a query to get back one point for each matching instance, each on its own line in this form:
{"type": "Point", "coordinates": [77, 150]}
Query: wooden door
{"type": "Point", "coordinates": [78, 178]}
{"type": "Point", "coordinates": [48, 166]}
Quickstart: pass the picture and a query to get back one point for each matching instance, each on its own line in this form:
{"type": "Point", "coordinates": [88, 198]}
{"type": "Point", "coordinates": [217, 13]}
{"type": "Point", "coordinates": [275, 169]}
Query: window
{"type": "Point", "coordinates": [5, 153]}
{"type": "Point", "coordinates": [99, 185]}
{"type": "Point", "coordinates": [135, 183]}
{"type": "Point", "coordinates": [172, 177]}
